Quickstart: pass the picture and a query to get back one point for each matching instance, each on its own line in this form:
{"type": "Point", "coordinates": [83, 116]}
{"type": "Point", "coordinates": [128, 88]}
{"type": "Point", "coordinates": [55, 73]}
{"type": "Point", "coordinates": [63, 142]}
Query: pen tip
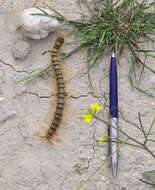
{"type": "Point", "coordinates": [113, 54]}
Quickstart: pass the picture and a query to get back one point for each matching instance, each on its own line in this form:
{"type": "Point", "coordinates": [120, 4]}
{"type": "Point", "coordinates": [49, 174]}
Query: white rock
{"type": "Point", "coordinates": [21, 49]}
{"type": "Point", "coordinates": [38, 27]}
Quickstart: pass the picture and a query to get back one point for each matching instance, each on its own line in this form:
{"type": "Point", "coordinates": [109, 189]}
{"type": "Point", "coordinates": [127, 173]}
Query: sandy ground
{"type": "Point", "coordinates": [28, 163]}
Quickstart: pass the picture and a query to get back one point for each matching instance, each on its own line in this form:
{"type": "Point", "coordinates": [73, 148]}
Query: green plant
{"type": "Point", "coordinates": [113, 26]}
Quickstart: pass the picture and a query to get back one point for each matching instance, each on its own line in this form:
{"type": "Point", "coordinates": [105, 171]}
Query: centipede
{"type": "Point", "coordinates": [57, 62]}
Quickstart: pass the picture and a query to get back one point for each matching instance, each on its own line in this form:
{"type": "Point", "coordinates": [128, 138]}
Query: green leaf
{"type": "Point", "coordinates": [133, 65]}
{"type": "Point", "coordinates": [144, 50]}
{"type": "Point", "coordinates": [102, 38]}
{"type": "Point", "coordinates": [149, 176]}
{"type": "Point", "coordinates": [146, 182]}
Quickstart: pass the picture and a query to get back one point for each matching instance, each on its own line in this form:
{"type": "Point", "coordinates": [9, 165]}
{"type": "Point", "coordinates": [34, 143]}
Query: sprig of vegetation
{"type": "Point", "coordinates": [145, 134]}
{"type": "Point", "coordinates": [132, 141]}
{"type": "Point", "coordinates": [36, 74]}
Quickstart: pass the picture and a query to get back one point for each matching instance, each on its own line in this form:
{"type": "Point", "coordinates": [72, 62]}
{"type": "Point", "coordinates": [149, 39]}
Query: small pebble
{"type": "Point", "coordinates": [7, 110]}
{"type": "Point", "coordinates": [21, 49]}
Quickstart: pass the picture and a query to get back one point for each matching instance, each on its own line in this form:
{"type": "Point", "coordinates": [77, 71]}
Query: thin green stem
{"type": "Point", "coordinates": [150, 129]}
{"type": "Point", "coordinates": [94, 173]}
{"type": "Point", "coordinates": [148, 183]}
{"type": "Point", "coordinates": [149, 151]}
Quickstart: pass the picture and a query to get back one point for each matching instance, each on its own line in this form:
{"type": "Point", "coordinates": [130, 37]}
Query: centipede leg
{"type": "Point", "coordinates": [45, 129]}
{"type": "Point", "coordinates": [48, 51]}
{"type": "Point", "coordinates": [51, 143]}
{"type": "Point", "coordinates": [40, 136]}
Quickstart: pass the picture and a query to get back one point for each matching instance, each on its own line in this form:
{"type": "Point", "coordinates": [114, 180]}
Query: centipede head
{"type": "Point", "coordinates": [59, 42]}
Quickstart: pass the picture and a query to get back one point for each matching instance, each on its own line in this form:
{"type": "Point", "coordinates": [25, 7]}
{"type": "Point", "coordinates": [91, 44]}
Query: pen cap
{"type": "Point", "coordinates": [113, 88]}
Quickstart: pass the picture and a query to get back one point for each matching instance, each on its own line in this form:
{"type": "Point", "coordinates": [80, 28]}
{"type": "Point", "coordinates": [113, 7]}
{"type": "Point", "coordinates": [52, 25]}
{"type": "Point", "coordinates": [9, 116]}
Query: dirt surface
{"type": "Point", "coordinates": [28, 163]}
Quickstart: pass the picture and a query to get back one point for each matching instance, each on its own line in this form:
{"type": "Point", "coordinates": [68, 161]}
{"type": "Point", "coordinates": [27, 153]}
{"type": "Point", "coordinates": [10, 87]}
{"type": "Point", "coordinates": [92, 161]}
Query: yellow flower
{"type": "Point", "coordinates": [87, 117]}
{"type": "Point", "coordinates": [106, 136]}
{"type": "Point", "coordinates": [101, 140]}
{"type": "Point", "coordinates": [96, 107]}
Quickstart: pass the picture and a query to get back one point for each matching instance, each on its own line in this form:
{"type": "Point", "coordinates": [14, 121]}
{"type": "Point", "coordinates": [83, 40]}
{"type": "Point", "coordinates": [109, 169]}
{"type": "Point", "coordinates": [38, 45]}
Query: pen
{"type": "Point", "coordinates": [113, 115]}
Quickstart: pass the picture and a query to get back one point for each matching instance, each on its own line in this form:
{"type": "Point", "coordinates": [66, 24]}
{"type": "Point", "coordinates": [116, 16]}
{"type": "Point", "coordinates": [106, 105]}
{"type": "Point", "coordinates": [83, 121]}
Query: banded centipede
{"type": "Point", "coordinates": [56, 62]}
{"type": "Point", "coordinates": [60, 98]}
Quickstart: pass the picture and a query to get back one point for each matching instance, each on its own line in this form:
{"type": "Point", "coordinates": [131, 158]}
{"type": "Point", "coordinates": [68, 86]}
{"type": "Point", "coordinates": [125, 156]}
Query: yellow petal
{"type": "Point", "coordinates": [101, 140]}
{"type": "Point", "coordinates": [82, 116]}
{"type": "Point", "coordinates": [87, 117]}
{"type": "Point", "coordinates": [87, 120]}
{"type": "Point", "coordinates": [96, 107]}
{"type": "Point", "coordinates": [106, 135]}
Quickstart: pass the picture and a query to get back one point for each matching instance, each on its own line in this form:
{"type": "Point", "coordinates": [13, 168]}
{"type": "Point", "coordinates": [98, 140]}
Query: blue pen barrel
{"type": "Point", "coordinates": [113, 88]}
{"type": "Point", "coordinates": [113, 130]}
